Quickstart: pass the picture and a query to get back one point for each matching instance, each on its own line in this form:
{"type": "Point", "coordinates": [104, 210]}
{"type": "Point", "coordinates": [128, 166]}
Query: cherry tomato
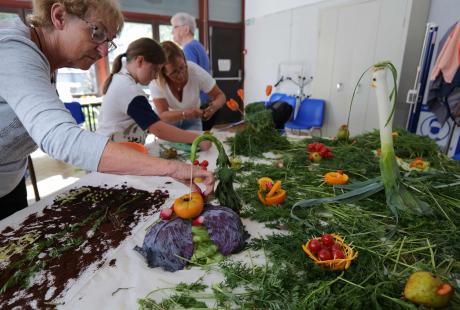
{"type": "Point", "coordinates": [336, 247]}
{"type": "Point", "coordinates": [196, 162]}
{"type": "Point", "coordinates": [204, 163]}
{"type": "Point", "coordinates": [314, 246]}
{"type": "Point", "coordinates": [338, 254]}
{"type": "Point", "coordinates": [327, 240]}
{"type": "Point", "coordinates": [324, 254]}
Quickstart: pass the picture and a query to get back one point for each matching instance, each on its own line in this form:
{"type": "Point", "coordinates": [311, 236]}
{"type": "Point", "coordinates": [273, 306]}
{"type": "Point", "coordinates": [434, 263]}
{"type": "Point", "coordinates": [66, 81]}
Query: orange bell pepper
{"type": "Point", "coordinates": [277, 198]}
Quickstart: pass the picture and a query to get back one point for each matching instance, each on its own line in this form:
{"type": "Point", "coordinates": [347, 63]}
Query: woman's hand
{"type": "Point", "coordinates": [209, 111]}
{"type": "Point", "coordinates": [182, 173]}
{"type": "Point", "coordinates": [193, 113]}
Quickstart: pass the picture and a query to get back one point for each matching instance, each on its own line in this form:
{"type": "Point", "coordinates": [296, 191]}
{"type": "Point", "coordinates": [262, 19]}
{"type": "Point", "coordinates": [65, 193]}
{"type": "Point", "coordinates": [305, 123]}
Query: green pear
{"type": "Point", "coordinates": [425, 288]}
{"type": "Point", "coordinates": [235, 163]}
{"type": "Point", "coordinates": [343, 133]}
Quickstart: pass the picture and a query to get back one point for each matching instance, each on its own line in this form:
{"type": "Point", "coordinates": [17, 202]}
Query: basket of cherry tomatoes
{"type": "Point", "coordinates": [330, 251]}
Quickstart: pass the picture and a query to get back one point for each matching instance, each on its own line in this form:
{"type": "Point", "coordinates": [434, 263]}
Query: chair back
{"type": "Point", "coordinates": [280, 97]}
{"type": "Point", "coordinates": [76, 110]}
{"type": "Point", "coordinates": [310, 115]}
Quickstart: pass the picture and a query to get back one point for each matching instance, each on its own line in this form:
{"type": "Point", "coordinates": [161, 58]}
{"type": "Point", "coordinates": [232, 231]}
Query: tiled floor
{"type": "Point", "coordinates": [51, 174]}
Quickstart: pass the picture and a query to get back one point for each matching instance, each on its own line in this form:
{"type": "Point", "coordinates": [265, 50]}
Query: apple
{"type": "Point", "coordinates": [343, 133]}
{"type": "Point", "coordinates": [166, 214]}
{"type": "Point", "coordinates": [189, 206]}
{"type": "Point", "coordinates": [315, 157]}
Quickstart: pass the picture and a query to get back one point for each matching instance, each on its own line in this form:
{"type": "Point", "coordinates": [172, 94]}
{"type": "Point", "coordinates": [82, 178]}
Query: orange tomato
{"type": "Point", "coordinates": [189, 206]}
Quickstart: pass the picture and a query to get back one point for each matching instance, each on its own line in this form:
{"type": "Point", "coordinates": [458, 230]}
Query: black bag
{"type": "Point", "coordinates": [281, 113]}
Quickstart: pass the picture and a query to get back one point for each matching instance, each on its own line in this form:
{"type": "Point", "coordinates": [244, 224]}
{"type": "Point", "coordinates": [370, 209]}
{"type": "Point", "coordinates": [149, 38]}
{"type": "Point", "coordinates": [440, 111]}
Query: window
{"type": "Point", "coordinates": [72, 83]}
{"type": "Point", "coordinates": [166, 33]}
{"type": "Point", "coordinates": [131, 31]}
{"type": "Point", "coordinates": [6, 16]}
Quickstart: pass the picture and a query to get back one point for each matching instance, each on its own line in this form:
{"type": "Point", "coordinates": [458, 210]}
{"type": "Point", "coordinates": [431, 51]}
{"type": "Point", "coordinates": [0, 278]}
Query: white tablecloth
{"type": "Point", "coordinates": [95, 288]}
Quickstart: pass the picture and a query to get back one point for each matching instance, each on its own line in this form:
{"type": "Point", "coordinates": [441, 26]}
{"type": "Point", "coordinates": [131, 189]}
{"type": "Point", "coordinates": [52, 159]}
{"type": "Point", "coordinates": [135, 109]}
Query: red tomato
{"type": "Point", "coordinates": [336, 247]}
{"type": "Point", "coordinates": [324, 254]}
{"type": "Point", "coordinates": [314, 246]}
{"type": "Point", "coordinates": [338, 254]}
{"type": "Point", "coordinates": [327, 240]}
{"type": "Point", "coordinates": [196, 162]}
{"type": "Point", "coordinates": [204, 163]}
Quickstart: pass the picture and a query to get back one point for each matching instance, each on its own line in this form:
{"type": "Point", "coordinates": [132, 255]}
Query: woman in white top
{"type": "Point", "coordinates": [176, 93]}
{"type": "Point", "coordinates": [126, 114]}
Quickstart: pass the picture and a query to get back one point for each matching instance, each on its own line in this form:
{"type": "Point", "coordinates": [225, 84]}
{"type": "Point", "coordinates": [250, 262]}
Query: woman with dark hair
{"type": "Point", "coordinates": [176, 93]}
{"type": "Point", "coordinates": [61, 33]}
{"type": "Point", "coordinates": [126, 114]}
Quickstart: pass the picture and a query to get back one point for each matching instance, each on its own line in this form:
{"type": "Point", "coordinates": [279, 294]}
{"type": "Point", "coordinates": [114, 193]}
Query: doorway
{"type": "Point", "coordinates": [226, 67]}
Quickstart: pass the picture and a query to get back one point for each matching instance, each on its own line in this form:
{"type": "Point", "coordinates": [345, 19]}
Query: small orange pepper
{"type": "Point", "coordinates": [336, 178]}
{"type": "Point", "coordinates": [233, 105]}
{"type": "Point", "coordinates": [419, 163]}
{"type": "Point", "coordinates": [275, 199]}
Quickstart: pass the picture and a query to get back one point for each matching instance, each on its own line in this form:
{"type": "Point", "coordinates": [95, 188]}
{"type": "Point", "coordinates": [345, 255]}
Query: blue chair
{"type": "Point", "coordinates": [310, 115]}
{"type": "Point", "coordinates": [456, 157]}
{"type": "Point", "coordinates": [280, 97]}
{"type": "Point", "coordinates": [76, 110]}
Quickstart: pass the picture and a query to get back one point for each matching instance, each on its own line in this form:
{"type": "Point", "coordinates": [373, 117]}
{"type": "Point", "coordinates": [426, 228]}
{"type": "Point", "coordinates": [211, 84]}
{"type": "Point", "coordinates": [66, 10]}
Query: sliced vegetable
{"type": "Point", "coordinates": [336, 178]}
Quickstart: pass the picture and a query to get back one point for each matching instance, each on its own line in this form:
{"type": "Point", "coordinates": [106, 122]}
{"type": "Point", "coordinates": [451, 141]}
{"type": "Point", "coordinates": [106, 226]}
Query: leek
{"type": "Point", "coordinates": [398, 197]}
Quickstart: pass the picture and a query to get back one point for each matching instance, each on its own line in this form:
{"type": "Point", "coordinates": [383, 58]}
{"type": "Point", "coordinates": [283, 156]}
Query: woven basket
{"type": "Point", "coordinates": [334, 264]}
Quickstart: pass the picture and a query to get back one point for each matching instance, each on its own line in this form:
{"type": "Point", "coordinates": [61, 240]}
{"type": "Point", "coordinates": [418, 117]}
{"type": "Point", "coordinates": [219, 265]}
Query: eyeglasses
{"type": "Point", "coordinates": [99, 35]}
{"type": "Point", "coordinates": [178, 71]}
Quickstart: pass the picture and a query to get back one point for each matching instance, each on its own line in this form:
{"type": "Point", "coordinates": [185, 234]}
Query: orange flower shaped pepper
{"type": "Point", "coordinates": [275, 196]}
{"type": "Point", "coordinates": [336, 178]}
{"type": "Point", "coordinates": [419, 164]}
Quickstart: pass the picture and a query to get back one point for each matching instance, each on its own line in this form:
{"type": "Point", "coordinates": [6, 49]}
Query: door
{"type": "Point", "coordinates": [226, 67]}
{"type": "Point", "coordinates": [347, 39]}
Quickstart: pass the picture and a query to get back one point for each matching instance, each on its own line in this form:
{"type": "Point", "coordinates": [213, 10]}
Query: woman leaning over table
{"type": "Point", "coordinates": [176, 93]}
{"type": "Point", "coordinates": [61, 33]}
{"type": "Point", "coordinates": [126, 114]}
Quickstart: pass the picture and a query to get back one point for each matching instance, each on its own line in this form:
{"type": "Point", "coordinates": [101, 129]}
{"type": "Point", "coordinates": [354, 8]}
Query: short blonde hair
{"type": "Point", "coordinates": [41, 16]}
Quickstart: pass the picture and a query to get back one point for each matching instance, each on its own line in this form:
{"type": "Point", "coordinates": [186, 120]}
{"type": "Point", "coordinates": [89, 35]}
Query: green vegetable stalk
{"type": "Point", "coordinates": [224, 174]}
{"type": "Point", "coordinates": [397, 195]}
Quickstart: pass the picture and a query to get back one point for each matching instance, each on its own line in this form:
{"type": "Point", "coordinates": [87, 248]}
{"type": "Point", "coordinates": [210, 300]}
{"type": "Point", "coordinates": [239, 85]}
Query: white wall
{"type": "Point", "coordinates": [259, 8]}
{"type": "Point", "coordinates": [287, 37]}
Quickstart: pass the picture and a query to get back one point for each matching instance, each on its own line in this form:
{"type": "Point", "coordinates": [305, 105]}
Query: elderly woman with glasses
{"type": "Point", "coordinates": [176, 93]}
{"type": "Point", "coordinates": [61, 33]}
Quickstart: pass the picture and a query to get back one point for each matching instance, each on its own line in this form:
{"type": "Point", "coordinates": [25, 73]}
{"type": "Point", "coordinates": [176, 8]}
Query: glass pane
{"type": "Point", "coordinates": [131, 31]}
{"type": "Point", "coordinates": [6, 16]}
{"type": "Point", "coordinates": [166, 33]}
{"type": "Point", "coordinates": [160, 7]}
{"type": "Point", "coordinates": [71, 83]}
{"type": "Point", "coordinates": [225, 11]}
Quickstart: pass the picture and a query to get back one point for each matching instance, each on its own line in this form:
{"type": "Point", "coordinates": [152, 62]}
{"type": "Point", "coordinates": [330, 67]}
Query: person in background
{"type": "Point", "coordinates": [176, 92]}
{"type": "Point", "coordinates": [126, 114]}
{"type": "Point", "coordinates": [183, 31]}
{"type": "Point", "coordinates": [61, 33]}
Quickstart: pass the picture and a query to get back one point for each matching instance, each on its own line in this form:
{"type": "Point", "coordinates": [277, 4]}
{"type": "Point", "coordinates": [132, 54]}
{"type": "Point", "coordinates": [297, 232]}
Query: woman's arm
{"type": "Point", "coordinates": [171, 133]}
{"type": "Point", "coordinates": [120, 159]}
{"type": "Point", "coordinates": [217, 101]}
{"type": "Point", "coordinates": [162, 108]}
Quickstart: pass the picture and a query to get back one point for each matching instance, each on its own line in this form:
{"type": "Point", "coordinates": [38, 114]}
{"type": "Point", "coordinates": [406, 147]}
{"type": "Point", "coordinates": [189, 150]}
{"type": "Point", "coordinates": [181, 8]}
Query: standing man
{"type": "Point", "coordinates": [183, 31]}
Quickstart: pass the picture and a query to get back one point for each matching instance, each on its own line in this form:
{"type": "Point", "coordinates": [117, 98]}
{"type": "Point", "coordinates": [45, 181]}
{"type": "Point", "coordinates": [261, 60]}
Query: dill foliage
{"type": "Point", "coordinates": [389, 250]}
{"type": "Point", "coordinates": [260, 134]}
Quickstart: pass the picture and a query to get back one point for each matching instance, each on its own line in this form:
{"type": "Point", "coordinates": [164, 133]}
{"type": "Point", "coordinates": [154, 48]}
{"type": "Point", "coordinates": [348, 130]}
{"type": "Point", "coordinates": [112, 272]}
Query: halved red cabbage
{"type": "Point", "coordinates": [169, 244]}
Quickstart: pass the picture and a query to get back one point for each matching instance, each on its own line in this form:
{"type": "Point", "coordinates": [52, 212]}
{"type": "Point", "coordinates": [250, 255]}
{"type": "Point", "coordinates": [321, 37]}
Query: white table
{"type": "Point", "coordinates": [95, 287]}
